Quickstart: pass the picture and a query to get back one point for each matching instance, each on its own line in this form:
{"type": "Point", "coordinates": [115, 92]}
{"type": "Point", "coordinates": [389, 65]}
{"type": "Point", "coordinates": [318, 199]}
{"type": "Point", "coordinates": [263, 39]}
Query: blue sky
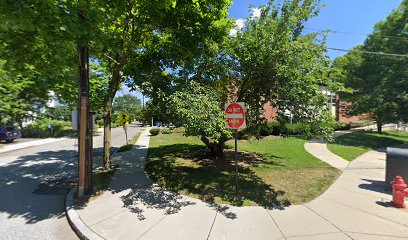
{"type": "Point", "coordinates": [352, 19]}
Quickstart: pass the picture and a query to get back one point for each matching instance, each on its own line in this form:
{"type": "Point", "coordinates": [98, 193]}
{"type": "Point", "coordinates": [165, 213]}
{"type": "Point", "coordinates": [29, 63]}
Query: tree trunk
{"type": "Point", "coordinates": [107, 120]}
{"type": "Point", "coordinates": [125, 128]}
{"type": "Point", "coordinates": [379, 126]}
{"type": "Point", "coordinates": [217, 149]}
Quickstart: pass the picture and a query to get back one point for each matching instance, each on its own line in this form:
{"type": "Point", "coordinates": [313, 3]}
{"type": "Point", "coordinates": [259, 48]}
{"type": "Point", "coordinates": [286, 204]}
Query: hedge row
{"type": "Point", "coordinates": [305, 130]}
{"type": "Point", "coordinates": [40, 129]}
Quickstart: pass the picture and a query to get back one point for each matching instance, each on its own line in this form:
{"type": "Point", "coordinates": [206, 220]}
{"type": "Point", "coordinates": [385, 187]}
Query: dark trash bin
{"type": "Point", "coordinates": [396, 164]}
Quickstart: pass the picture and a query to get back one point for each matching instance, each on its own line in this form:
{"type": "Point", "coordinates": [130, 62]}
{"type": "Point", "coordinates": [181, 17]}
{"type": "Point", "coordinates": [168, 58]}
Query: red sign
{"type": "Point", "coordinates": [235, 115]}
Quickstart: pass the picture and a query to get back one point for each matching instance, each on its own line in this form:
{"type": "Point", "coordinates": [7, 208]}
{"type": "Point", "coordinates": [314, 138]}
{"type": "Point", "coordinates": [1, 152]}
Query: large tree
{"type": "Point", "coordinates": [132, 29]}
{"type": "Point", "coordinates": [376, 72]}
{"type": "Point", "coordinates": [198, 109]}
{"type": "Point", "coordinates": [129, 104]}
{"type": "Point", "coordinates": [118, 33]}
{"type": "Point", "coordinates": [276, 62]}
{"type": "Point", "coordinates": [40, 41]}
{"type": "Point", "coordinates": [22, 96]}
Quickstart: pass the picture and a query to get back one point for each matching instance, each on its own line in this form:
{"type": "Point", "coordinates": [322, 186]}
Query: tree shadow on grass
{"type": "Point", "coordinates": [175, 168]}
{"type": "Point", "coordinates": [368, 140]}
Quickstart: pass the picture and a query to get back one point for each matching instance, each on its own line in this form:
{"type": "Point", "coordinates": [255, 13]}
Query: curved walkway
{"type": "Point", "coordinates": [354, 207]}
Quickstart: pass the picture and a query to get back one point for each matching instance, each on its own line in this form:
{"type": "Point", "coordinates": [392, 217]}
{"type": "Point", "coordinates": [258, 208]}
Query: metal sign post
{"type": "Point", "coordinates": [235, 120]}
{"type": "Point", "coordinates": [236, 163]}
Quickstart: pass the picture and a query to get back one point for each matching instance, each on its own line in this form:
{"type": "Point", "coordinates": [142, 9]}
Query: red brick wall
{"type": "Point", "coordinates": [270, 113]}
{"type": "Point", "coordinates": [341, 115]}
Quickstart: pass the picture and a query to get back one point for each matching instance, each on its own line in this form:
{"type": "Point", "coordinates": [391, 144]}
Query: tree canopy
{"type": "Point", "coordinates": [275, 62]}
{"type": "Point", "coordinates": [198, 109]}
{"type": "Point", "coordinates": [128, 104]}
{"type": "Point", "coordinates": [376, 72]}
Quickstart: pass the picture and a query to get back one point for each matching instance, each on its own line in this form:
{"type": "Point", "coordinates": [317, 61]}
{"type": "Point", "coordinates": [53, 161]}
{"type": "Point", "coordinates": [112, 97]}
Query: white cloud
{"type": "Point", "coordinates": [256, 12]}
{"type": "Point", "coordinates": [233, 32]}
{"type": "Point", "coordinates": [240, 23]}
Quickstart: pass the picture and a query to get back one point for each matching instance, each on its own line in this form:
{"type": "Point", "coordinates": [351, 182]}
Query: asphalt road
{"type": "Point", "coordinates": [33, 187]}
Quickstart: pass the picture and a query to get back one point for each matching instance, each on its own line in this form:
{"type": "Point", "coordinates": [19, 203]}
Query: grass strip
{"type": "Point", "coordinates": [131, 143]}
{"type": "Point", "coordinates": [274, 172]}
{"type": "Point", "coordinates": [352, 145]}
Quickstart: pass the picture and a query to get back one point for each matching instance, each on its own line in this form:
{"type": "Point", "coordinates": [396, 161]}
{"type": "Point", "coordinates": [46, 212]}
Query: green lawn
{"type": "Point", "coordinates": [352, 145]}
{"type": "Point", "coordinates": [281, 172]}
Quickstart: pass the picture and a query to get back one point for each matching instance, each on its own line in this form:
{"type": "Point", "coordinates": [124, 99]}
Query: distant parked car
{"type": "Point", "coordinates": [9, 134]}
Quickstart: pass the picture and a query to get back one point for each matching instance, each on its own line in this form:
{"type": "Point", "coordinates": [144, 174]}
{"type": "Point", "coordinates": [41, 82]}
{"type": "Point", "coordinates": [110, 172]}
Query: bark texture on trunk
{"type": "Point", "coordinates": [107, 117]}
{"type": "Point", "coordinates": [379, 126]}
{"type": "Point", "coordinates": [217, 149]}
{"type": "Point", "coordinates": [107, 120]}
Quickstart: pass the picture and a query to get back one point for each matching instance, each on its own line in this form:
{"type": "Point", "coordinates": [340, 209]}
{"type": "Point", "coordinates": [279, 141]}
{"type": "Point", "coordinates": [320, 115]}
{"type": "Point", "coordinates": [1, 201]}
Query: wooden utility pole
{"type": "Point", "coordinates": [84, 126]}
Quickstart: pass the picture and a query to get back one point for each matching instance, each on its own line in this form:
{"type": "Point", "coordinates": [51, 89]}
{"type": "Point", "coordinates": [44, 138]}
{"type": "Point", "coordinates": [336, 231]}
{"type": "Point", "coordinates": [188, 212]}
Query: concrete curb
{"type": "Point", "coordinates": [82, 230]}
{"type": "Point", "coordinates": [76, 223]}
{"type": "Point", "coordinates": [28, 144]}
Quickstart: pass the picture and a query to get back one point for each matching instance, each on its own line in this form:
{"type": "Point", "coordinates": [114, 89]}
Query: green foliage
{"type": "Point", "coordinates": [126, 147]}
{"type": "Point", "coordinates": [63, 113]}
{"type": "Point", "coordinates": [123, 118]}
{"type": "Point", "coordinates": [378, 82]}
{"type": "Point", "coordinates": [198, 109]}
{"type": "Point", "coordinates": [20, 95]}
{"type": "Point", "coordinates": [154, 131]}
{"type": "Point", "coordinates": [39, 129]}
{"type": "Point", "coordinates": [303, 130]}
{"type": "Point", "coordinates": [274, 62]}
{"type": "Point", "coordinates": [166, 131]}
{"type": "Point", "coordinates": [342, 126]}
{"type": "Point", "coordinates": [153, 111]}
{"type": "Point", "coordinates": [270, 128]}
{"type": "Point", "coordinates": [67, 89]}
{"type": "Point", "coordinates": [297, 129]}
{"type": "Point", "coordinates": [130, 40]}
{"type": "Point", "coordinates": [129, 104]}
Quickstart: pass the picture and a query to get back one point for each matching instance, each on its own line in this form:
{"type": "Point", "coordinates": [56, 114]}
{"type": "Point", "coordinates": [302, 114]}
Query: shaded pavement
{"type": "Point", "coordinates": [33, 186]}
{"type": "Point", "coordinates": [354, 207]}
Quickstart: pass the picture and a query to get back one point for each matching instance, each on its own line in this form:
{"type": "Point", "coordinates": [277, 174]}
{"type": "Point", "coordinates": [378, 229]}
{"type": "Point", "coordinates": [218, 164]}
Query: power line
{"type": "Point", "coordinates": [369, 52]}
{"type": "Point", "coordinates": [357, 33]}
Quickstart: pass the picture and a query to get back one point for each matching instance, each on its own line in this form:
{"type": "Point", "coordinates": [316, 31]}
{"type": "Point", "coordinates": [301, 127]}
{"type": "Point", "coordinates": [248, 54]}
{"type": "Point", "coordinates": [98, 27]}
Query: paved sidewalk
{"type": "Point", "coordinates": [320, 151]}
{"type": "Point", "coordinates": [354, 207]}
{"type": "Point", "coordinates": [29, 144]}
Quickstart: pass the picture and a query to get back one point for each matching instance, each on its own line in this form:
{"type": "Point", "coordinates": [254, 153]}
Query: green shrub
{"type": "Point", "coordinates": [341, 126]}
{"type": "Point", "coordinates": [303, 130]}
{"type": "Point", "coordinates": [265, 130]}
{"type": "Point", "coordinates": [179, 130]}
{"type": "Point", "coordinates": [154, 131]}
{"type": "Point", "coordinates": [297, 129]}
{"type": "Point", "coordinates": [39, 129]}
{"type": "Point", "coordinates": [323, 131]}
{"type": "Point", "coordinates": [125, 148]}
{"type": "Point", "coordinates": [99, 122]}
{"type": "Point", "coordinates": [166, 131]}
{"type": "Point", "coordinates": [248, 132]}
{"type": "Point", "coordinates": [308, 130]}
